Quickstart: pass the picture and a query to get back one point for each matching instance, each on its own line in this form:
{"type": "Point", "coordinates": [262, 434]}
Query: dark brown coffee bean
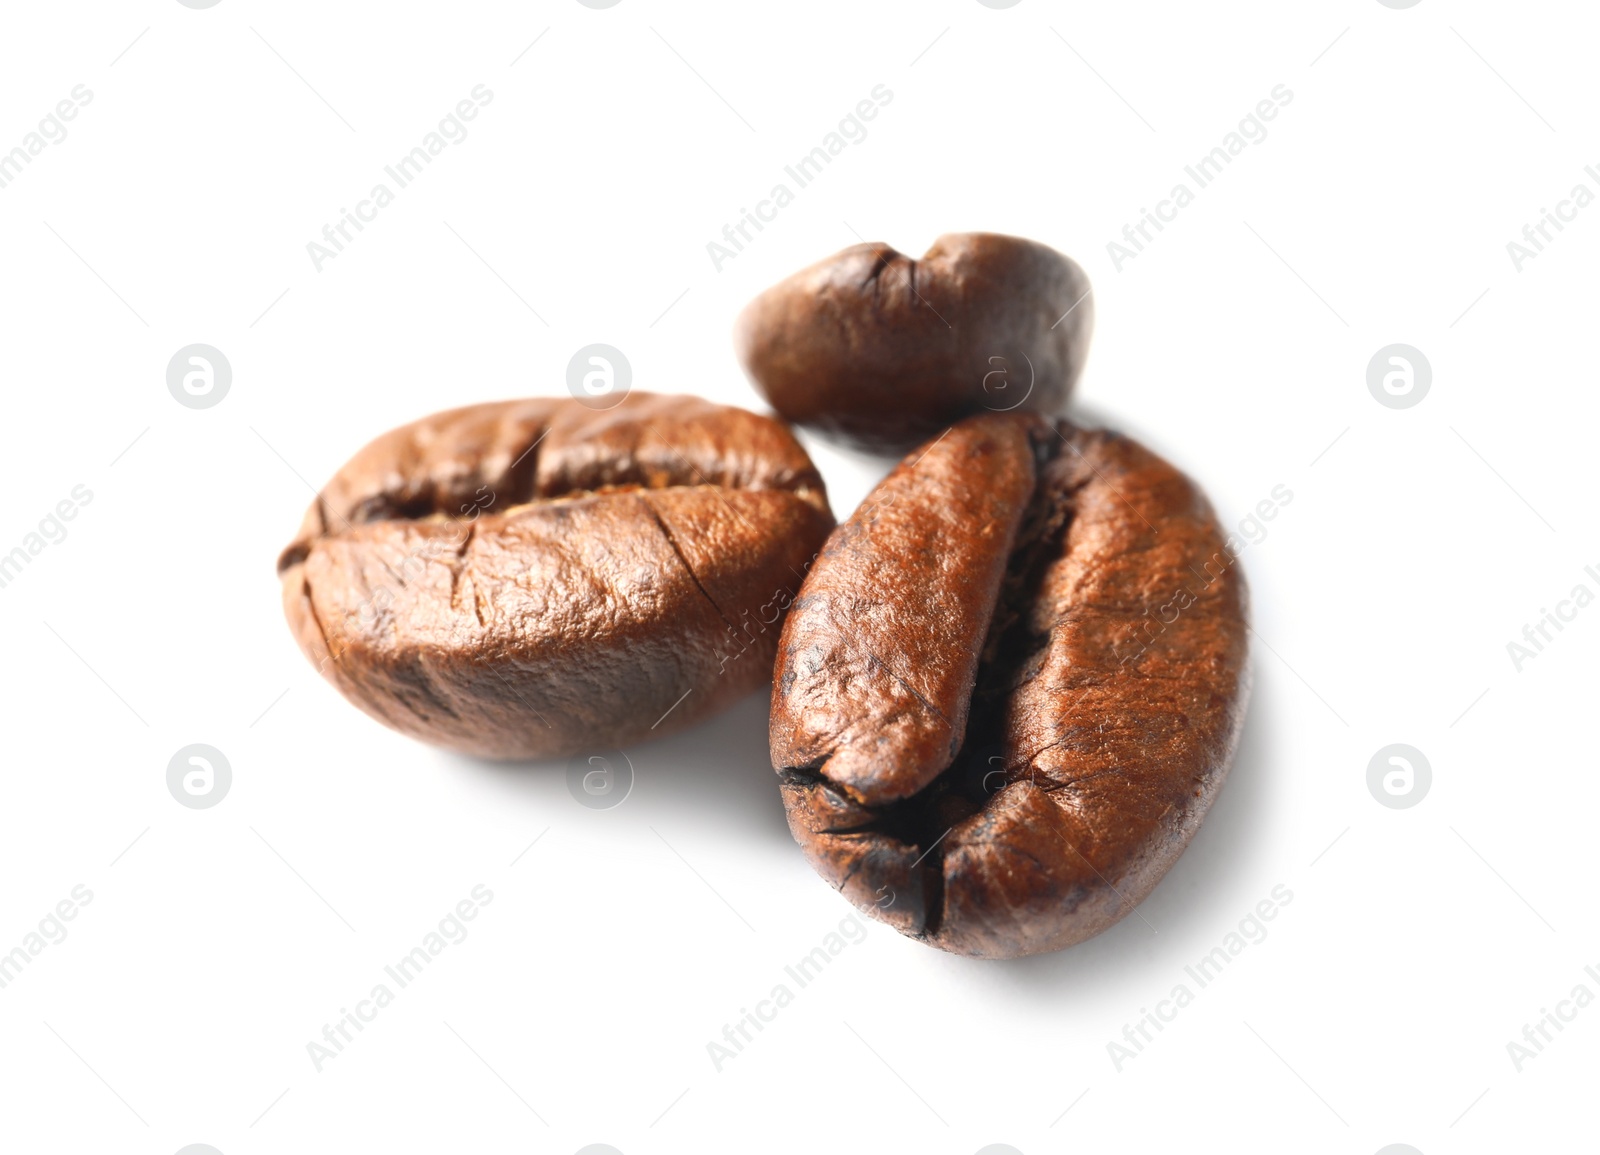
{"type": "Point", "coordinates": [1011, 686]}
{"type": "Point", "coordinates": [883, 351]}
{"type": "Point", "coordinates": [528, 579]}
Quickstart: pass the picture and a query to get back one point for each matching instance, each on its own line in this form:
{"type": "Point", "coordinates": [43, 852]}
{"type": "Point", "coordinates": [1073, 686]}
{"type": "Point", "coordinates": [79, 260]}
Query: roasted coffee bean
{"type": "Point", "coordinates": [1011, 686]}
{"type": "Point", "coordinates": [883, 351]}
{"type": "Point", "coordinates": [527, 579]}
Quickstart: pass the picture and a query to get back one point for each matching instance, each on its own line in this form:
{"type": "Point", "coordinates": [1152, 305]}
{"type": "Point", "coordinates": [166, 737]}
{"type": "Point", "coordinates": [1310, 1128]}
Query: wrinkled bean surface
{"type": "Point", "coordinates": [1011, 686]}
{"type": "Point", "coordinates": [529, 579]}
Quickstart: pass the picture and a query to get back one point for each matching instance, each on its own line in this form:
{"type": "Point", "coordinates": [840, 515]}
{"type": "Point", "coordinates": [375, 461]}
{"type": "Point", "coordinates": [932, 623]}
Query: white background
{"type": "Point", "coordinates": [1419, 542]}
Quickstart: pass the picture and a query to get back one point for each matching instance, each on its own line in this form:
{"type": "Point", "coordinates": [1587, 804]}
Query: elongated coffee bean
{"type": "Point", "coordinates": [529, 579]}
{"type": "Point", "coordinates": [1011, 686]}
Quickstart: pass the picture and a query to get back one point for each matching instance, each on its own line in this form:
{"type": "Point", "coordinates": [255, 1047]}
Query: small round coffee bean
{"type": "Point", "coordinates": [883, 351]}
